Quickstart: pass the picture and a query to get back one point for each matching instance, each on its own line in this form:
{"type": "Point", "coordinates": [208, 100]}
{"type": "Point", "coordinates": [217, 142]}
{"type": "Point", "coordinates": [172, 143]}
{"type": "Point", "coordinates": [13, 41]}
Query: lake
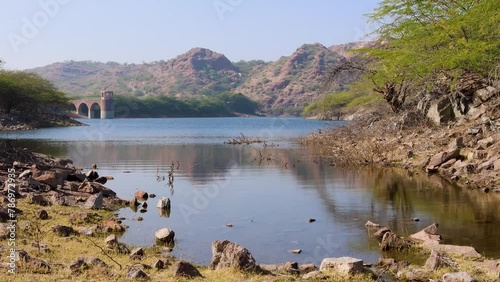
{"type": "Point", "coordinates": [268, 192]}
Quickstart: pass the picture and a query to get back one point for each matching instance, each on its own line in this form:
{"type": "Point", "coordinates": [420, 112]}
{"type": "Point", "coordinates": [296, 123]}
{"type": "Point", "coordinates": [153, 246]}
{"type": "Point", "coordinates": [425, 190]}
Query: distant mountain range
{"type": "Point", "coordinates": [288, 83]}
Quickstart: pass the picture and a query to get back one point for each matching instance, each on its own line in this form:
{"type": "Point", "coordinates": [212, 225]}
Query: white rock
{"type": "Point", "coordinates": [163, 203]}
{"type": "Point", "coordinates": [342, 265]}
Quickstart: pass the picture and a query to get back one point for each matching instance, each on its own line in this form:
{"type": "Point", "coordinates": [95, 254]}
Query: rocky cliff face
{"type": "Point", "coordinates": [291, 81]}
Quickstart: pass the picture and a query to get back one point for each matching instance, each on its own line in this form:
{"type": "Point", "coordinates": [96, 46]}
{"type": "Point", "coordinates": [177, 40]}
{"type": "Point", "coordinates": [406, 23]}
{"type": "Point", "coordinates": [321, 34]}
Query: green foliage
{"type": "Point", "coordinates": [28, 92]}
{"type": "Point", "coordinates": [426, 37]}
{"type": "Point", "coordinates": [223, 104]}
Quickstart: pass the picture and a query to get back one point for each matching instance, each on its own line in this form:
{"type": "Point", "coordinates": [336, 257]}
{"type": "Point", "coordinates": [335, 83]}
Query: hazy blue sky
{"type": "Point", "coordinates": [36, 33]}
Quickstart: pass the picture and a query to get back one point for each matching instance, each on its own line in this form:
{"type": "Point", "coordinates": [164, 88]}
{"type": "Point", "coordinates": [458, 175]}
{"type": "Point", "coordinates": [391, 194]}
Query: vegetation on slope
{"type": "Point", "coordinates": [223, 104]}
{"type": "Point", "coordinates": [426, 43]}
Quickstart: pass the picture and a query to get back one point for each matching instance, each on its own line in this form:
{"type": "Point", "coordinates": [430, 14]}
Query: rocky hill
{"type": "Point", "coordinates": [290, 82]}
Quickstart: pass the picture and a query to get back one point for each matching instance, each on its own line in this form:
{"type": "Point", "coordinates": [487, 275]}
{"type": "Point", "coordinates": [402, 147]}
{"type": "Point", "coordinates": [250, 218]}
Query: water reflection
{"type": "Point", "coordinates": [269, 201]}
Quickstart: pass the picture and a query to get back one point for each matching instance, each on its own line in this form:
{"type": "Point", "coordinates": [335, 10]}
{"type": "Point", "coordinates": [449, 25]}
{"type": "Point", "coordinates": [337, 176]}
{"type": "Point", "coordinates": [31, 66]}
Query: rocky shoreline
{"type": "Point", "coordinates": [463, 149]}
{"type": "Point", "coordinates": [23, 121]}
{"type": "Point", "coordinates": [67, 228]}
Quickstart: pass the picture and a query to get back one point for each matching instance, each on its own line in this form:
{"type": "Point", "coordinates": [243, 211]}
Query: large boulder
{"type": "Point", "coordinates": [427, 234]}
{"type": "Point", "coordinates": [94, 201]}
{"type": "Point", "coordinates": [342, 265]}
{"type": "Point", "coordinates": [441, 158]}
{"type": "Point", "coordinates": [464, 251]}
{"type": "Point", "coordinates": [50, 178]}
{"type": "Point", "coordinates": [226, 254]}
{"type": "Point", "coordinates": [440, 111]}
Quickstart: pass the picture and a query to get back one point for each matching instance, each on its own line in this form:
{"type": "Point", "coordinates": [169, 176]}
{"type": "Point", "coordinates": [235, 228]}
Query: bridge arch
{"type": "Point", "coordinates": [95, 110]}
{"type": "Point", "coordinates": [83, 109]}
{"type": "Point", "coordinates": [103, 107]}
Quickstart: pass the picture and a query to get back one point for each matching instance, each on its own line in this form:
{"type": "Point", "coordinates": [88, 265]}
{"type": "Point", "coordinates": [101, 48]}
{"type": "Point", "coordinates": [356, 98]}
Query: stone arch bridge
{"type": "Point", "coordinates": [103, 107]}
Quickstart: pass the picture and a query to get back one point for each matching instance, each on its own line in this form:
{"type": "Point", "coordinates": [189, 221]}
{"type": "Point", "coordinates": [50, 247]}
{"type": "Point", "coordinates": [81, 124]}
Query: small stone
{"type": "Point", "coordinates": [111, 241]}
{"type": "Point", "coordinates": [311, 220]}
{"type": "Point", "coordinates": [370, 224]}
{"type": "Point", "coordinates": [140, 218]}
{"type": "Point", "coordinates": [229, 225]}
{"type": "Point", "coordinates": [141, 195]}
{"type": "Point", "coordinates": [135, 273]}
{"type": "Point", "coordinates": [165, 235]}
{"type": "Point", "coordinates": [137, 253]}
{"type": "Point", "coordinates": [158, 264]}
{"type": "Point", "coordinates": [308, 267]}
{"type": "Point", "coordinates": [163, 203]}
{"type": "Point", "coordinates": [185, 269]}
{"type": "Point", "coordinates": [296, 251]}
{"type": "Point", "coordinates": [63, 231]}
{"type": "Point", "coordinates": [152, 196]}
{"type": "Point", "coordinates": [42, 214]}
{"type": "Point", "coordinates": [78, 265]}
{"type": "Point", "coordinates": [101, 180]}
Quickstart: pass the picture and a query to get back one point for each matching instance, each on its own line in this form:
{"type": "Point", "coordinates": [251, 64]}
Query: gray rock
{"type": "Point", "coordinates": [185, 269]}
{"type": "Point", "coordinates": [437, 260]}
{"type": "Point", "coordinates": [440, 111]}
{"type": "Point", "coordinates": [136, 273]}
{"type": "Point", "coordinates": [163, 203]}
{"type": "Point", "coordinates": [63, 231]}
{"type": "Point", "coordinates": [37, 200]}
{"type": "Point", "coordinates": [165, 235]}
{"type": "Point", "coordinates": [457, 277]}
{"type": "Point", "coordinates": [465, 251]}
{"type": "Point", "coordinates": [342, 265]}
{"type": "Point", "coordinates": [370, 224]}
{"type": "Point", "coordinates": [111, 241]}
{"type": "Point", "coordinates": [78, 265]}
{"type": "Point", "coordinates": [427, 234]}
{"type": "Point", "coordinates": [485, 94]}
{"type": "Point", "coordinates": [412, 274]}
{"type": "Point", "coordinates": [42, 214]}
{"type": "Point", "coordinates": [94, 201]}
{"type": "Point", "coordinates": [158, 264]}
{"type": "Point", "coordinates": [226, 254]}
{"type": "Point", "coordinates": [137, 253]}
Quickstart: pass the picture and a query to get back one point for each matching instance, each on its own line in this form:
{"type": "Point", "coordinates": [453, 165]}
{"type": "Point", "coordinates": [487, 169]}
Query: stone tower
{"type": "Point", "coordinates": [107, 105]}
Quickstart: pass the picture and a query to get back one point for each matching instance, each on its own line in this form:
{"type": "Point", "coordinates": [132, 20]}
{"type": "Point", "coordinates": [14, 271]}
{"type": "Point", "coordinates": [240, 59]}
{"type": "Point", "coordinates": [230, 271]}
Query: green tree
{"type": "Point", "coordinates": [28, 92]}
{"type": "Point", "coordinates": [421, 40]}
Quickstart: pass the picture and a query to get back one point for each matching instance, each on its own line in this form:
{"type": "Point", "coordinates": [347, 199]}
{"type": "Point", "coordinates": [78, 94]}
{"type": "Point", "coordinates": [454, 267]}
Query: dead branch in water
{"type": "Point", "coordinates": [243, 140]}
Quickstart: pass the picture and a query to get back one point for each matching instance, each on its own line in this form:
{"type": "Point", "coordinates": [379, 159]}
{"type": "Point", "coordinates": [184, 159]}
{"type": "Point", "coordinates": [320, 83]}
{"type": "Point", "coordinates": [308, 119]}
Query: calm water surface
{"type": "Point", "coordinates": [269, 202]}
